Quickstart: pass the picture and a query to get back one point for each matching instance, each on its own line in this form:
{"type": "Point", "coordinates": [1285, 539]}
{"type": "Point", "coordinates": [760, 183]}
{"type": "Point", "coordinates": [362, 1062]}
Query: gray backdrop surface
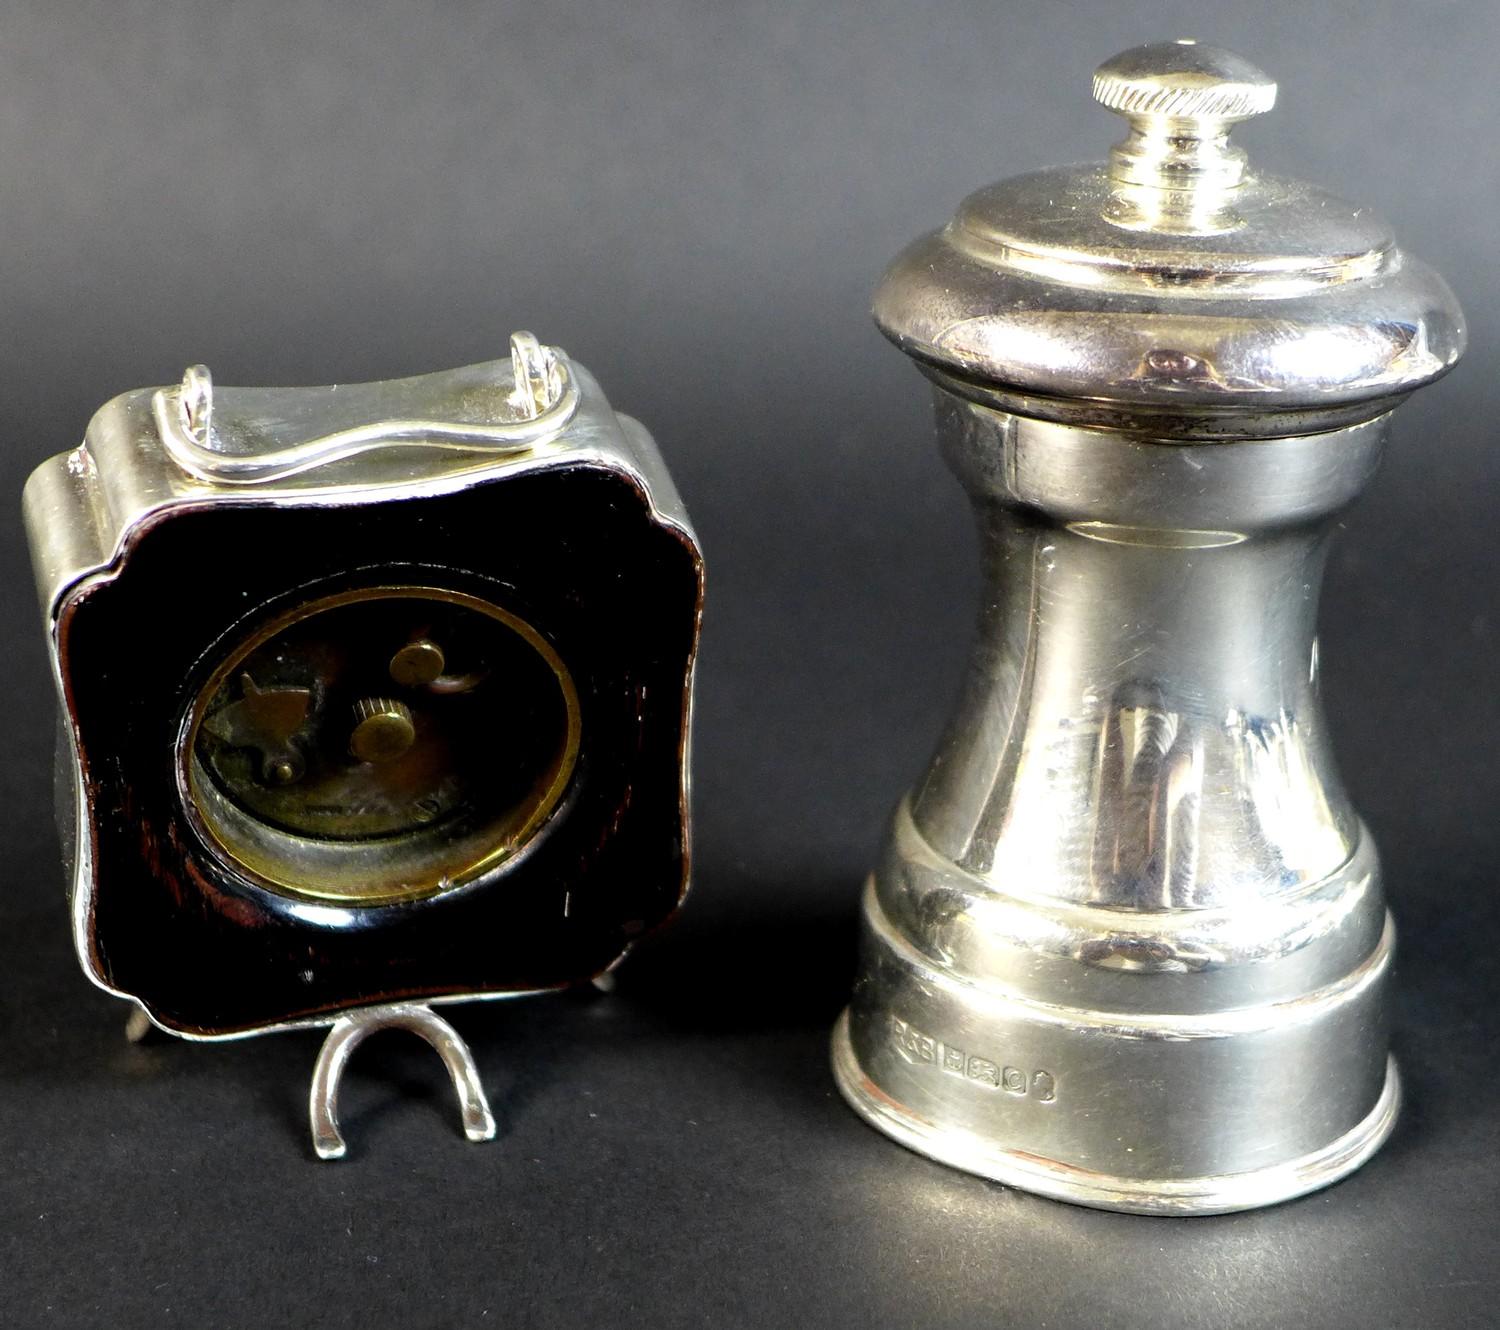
{"type": "Point", "coordinates": [696, 200]}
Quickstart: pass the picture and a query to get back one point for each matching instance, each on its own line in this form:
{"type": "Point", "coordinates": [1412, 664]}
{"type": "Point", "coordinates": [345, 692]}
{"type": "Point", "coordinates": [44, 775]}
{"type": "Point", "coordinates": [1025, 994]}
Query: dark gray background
{"type": "Point", "coordinates": [696, 200]}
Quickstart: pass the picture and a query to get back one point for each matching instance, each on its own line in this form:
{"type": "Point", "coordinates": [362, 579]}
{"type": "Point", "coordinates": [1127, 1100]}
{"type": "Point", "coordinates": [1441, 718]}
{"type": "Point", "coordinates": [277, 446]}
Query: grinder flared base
{"type": "Point", "coordinates": [1065, 1182]}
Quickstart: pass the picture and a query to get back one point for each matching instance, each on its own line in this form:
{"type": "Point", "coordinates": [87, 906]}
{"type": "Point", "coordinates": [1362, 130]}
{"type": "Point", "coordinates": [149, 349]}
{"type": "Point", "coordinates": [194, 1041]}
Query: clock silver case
{"type": "Point", "coordinates": [348, 457]}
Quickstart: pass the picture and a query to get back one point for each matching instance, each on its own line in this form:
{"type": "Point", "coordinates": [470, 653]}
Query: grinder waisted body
{"type": "Point", "coordinates": [1126, 944]}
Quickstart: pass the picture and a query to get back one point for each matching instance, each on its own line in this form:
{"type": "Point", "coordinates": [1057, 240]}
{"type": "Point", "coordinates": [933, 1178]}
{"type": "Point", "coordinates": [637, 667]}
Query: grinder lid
{"type": "Point", "coordinates": [1173, 285]}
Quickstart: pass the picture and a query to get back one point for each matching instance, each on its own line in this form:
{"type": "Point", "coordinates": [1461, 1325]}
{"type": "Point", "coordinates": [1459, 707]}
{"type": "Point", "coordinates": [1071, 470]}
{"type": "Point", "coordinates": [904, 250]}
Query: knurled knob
{"type": "Point", "coordinates": [1181, 100]}
{"type": "Point", "coordinates": [1183, 80]}
{"type": "Point", "coordinates": [383, 729]}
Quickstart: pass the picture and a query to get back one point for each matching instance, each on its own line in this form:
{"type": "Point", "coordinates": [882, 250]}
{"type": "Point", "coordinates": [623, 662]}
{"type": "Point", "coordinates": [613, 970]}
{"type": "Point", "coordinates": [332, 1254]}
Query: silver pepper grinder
{"type": "Point", "coordinates": [1126, 943]}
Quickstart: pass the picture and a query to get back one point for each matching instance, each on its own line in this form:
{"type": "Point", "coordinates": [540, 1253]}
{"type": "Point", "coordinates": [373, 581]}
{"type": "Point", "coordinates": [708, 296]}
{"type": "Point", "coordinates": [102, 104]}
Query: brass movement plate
{"type": "Point", "coordinates": [380, 745]}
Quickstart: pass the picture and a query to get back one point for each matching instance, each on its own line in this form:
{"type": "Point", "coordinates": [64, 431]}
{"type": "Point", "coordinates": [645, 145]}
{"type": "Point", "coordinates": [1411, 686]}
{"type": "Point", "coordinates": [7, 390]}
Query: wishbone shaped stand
{"type": "Point", "coordinates": [352, 1029]}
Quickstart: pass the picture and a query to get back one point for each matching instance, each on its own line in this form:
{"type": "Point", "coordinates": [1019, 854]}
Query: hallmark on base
{"type": "Point", "coordinates": [915, 1046]}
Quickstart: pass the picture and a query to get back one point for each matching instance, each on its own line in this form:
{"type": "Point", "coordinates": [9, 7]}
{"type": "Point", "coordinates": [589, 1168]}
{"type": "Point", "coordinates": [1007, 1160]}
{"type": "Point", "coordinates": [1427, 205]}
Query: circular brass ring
{"type": "Point", "coordinates": [257, 825]}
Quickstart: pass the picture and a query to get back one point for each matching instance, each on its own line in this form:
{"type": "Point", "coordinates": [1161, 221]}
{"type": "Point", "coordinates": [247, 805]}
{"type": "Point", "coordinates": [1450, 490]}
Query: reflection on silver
{"type": "Point", "coordinates": [154, 456]}
{"type": "Point", "coordinates": [1126, 943]}
{"type": "Point", "coordinates": [352, 1029]}
{"type": "Point", "coordinates": [257, 436]}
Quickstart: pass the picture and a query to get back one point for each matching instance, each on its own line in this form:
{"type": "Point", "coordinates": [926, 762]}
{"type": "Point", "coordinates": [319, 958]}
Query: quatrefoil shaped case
{"type": "Point", "coordinates": [369, 694]}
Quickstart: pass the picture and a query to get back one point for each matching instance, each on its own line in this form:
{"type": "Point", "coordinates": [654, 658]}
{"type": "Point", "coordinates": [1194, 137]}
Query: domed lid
{"type": "Point", "coordinates": [1173, 286]}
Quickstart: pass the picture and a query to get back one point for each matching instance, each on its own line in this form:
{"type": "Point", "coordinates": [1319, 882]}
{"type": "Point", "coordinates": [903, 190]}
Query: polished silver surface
{"type": "Point", "coordinates": [154, 453]}
{"type": "Point", "coordinates": [352, 1029]}
{"type": "Point", "coordinates": [302, 447]}
{"type": "Point", "coordinates": [1173, 288]}
{"type": "Point", "coordinates": [1126, 944]}
{"type": "Point", "coordinates": [255, 436]}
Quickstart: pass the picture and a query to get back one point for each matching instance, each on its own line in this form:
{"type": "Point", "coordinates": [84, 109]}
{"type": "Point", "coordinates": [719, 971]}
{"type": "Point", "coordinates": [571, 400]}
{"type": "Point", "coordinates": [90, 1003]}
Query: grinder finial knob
{"type": "Point", "coordinates": [1181, 99]}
